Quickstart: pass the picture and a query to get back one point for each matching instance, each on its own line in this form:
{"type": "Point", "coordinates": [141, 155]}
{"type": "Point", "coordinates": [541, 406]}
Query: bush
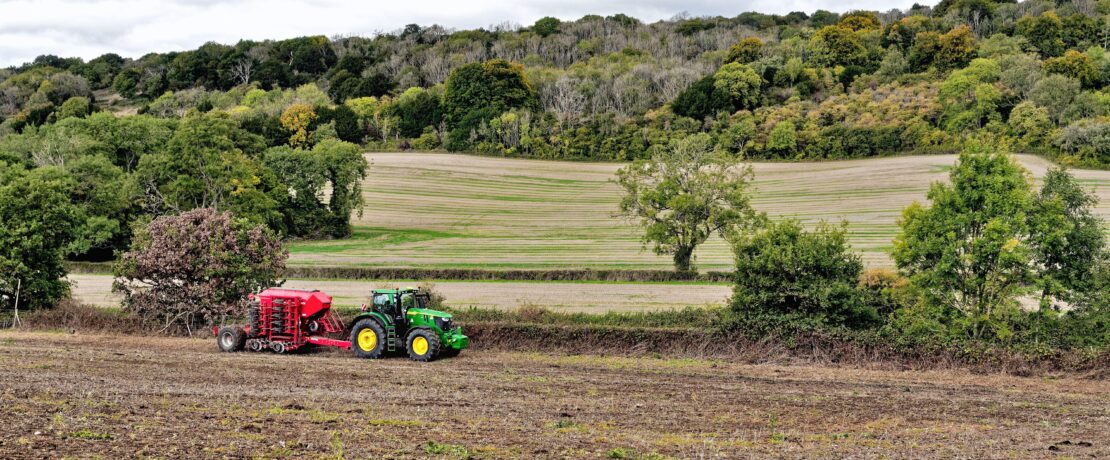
{"type": "Point", "coordinates": [194, 269]}
{"type": "Point", "coordinates": [789, 272]}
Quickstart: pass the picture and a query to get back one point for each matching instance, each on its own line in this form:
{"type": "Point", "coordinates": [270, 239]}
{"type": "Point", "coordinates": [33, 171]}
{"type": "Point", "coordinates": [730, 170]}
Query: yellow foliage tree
{"type": "Point", "coordinates": [296, 120]}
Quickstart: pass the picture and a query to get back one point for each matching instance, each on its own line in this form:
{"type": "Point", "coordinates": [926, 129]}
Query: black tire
{"type": "Point", "coordinates": [231, 339]}
{"type": "Point", "coordinates": [433, 345]}
{"type": "Point", "coordinates": [379, 342]}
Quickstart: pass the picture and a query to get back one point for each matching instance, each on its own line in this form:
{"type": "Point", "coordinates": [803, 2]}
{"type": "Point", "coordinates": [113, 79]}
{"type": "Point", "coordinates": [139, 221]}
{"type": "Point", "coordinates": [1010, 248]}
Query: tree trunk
{"type": "Point", "coordinates": [683, 259]}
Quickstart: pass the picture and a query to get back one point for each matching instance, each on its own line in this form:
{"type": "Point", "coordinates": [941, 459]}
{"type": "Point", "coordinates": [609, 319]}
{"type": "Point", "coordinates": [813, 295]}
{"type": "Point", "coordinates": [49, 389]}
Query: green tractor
{"type": "Point", "coordinates": [403, 314]}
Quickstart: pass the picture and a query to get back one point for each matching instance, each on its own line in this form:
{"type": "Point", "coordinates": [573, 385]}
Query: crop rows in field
{"type": "Point", "coordinates": [461, 211]}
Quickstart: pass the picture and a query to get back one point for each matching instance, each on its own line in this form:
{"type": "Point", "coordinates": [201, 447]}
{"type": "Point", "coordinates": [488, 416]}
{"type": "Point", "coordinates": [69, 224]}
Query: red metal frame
{"type": "Point", "coordinates": [293, 312]}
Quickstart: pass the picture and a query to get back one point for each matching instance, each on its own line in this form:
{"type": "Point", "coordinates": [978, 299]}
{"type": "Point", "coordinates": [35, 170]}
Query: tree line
{"type": "Point", "coordinates": [82, 188]}
{"type": "Point", "coordinates": [991, 259]}
{"type": "Point", "coordinates": [795, 86]}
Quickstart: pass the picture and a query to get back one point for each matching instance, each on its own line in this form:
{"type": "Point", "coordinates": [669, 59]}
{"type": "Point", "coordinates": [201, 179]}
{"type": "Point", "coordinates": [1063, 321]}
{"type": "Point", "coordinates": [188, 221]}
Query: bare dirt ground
{"type": "Point", "coordinates": [557, 296]}
{"type": "Point", "coordinates": [112, 396]}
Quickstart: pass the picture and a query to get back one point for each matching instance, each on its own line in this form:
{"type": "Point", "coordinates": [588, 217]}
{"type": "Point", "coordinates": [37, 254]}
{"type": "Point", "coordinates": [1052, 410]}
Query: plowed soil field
{"type": "Point", "coordinates": [79, 395]}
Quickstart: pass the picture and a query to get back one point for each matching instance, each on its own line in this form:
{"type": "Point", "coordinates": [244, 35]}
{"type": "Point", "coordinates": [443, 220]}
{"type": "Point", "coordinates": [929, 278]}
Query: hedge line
{"type": "Point", "coordinates": [395, 273]}
{"type": "Point", "coordinates": [797, 347]}
{"type": "Point", "coordinates": [783, 347]}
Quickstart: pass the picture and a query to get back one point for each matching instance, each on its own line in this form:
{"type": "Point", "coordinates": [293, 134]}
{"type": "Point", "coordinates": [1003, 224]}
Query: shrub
{"type": "Point", "coordinates": [789, 272]}
{"type": "Point", "coordinates": [196, 268]}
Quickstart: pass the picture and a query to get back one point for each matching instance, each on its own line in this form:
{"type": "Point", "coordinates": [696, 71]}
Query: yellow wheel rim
{"type": "Point", "coordinates": [420, 345]}
{"type": "Point", "coordinates": [367, 339]}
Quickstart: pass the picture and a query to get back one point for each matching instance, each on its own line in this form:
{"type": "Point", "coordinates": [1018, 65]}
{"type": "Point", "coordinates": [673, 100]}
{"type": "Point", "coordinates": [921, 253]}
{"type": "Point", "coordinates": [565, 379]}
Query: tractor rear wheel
{"type": "Point", "coordinates": [368, 339]}
{"type": "Point", "coordinates": [423, 345]}
{"type": "Point", "coordinates": [231, 339]}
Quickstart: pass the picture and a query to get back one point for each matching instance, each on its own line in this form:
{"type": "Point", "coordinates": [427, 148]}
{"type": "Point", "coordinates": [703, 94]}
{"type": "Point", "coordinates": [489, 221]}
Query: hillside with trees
{"type": "Point", "coordinates": [799, 86]}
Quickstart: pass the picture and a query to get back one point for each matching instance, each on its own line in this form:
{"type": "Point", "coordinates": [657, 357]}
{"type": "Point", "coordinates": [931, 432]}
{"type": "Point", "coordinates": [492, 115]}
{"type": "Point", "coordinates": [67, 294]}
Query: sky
{"type": "Point", "coordinates": [131, 28]}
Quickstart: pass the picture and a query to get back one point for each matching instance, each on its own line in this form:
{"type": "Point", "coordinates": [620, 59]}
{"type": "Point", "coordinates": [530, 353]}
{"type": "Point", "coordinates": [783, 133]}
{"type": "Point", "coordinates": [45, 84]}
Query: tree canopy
{"type": "Point", "coordinates": [686, 193]}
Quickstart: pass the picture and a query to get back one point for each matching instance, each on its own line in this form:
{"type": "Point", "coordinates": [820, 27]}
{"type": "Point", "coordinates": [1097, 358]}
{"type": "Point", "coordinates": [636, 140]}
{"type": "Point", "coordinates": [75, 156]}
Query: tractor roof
{"type": "Point", "coordinates": [395, 291]}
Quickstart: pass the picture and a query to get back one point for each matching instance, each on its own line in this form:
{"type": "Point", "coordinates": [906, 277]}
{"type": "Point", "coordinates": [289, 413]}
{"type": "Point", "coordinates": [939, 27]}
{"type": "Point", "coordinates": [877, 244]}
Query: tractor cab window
{"type": "Point", "coordinates": [407, 301]}
{"type": "Point", "coordinates": [381, 300]}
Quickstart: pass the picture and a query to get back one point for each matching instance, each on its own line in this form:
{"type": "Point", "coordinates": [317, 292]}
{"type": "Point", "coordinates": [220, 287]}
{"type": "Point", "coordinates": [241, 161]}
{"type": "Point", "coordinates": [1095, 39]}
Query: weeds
{"type": "Point", "coordinates": [90, 435]}
{"type": "Point", "coordinates": [435, 448]}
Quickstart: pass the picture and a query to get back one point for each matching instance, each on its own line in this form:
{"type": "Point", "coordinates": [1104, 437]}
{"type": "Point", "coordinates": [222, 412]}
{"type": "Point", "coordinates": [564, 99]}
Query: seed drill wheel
{"type": "Point", "coordinates": [231, 339]}
{"type": "Point", "coordinates": [423, 345]}
{"type": "Point", "coordinates": [368, 339]}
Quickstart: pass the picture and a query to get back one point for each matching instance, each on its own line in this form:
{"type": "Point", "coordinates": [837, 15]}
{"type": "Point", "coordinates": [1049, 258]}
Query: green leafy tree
{"type": "Point", "coordinates": [74, 107]}
{"type": "Point", "coordinates": [955, 48]}
{"type": "Point", "coordinates": [1068, 238]}
{"type": "Point", "coordinates": [684, 194]}
{"type": "Point", "coordinates": [740, 83]}
{"type": "Point", "coordinates": [860, 20]}
{"type": "Point", "coordinates": [206, 165]}
{"type": "Point", "coordinates": [192, 270]}
{"type": "Point", "coordinates": [893, 65]}
{"type": "Point", "coordinates": [1030, 126]}
{"type": "Point", "coordinates": [702, 99]}
{"type": "Point", "coordinates": [970, 250]}
{"type": "Point", "coordinates": [1075, 65]}
{"type": "Point", "coordinates": [788, 272]}
{"type": "Point", "coordinates": [835, 45]}
{"type": "Point", "coordinates": [37, 223]}
{"type": "Point", "coordinates": [1045, 32]}
{"type": "Point", "coordinates": [416, 109]}
{"type": "Point", "coordinates": [969, 96]}
{"type": "Point", "coordinates": [103, 193]}
{"type": "Point", "coordinates": [346, 168]}
{"type": "Point", "coordinates": [783, 139]}
{"type": "Point", "coordinates": [477, 92]}
{"type": "Point", "coordinates": [546, 26]}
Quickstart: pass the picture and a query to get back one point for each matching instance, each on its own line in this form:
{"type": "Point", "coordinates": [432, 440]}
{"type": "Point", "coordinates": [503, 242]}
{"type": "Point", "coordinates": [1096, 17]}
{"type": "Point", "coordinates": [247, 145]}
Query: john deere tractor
{"type": "Point", "coordinates": [399, 318]}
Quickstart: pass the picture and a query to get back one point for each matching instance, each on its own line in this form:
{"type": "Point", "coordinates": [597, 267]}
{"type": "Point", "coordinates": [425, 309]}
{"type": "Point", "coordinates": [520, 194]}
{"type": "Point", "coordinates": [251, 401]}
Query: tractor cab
{"type": "Point", "coordinates": [395, 303]}
{"type": "Point", "coordinates": [401, 318]}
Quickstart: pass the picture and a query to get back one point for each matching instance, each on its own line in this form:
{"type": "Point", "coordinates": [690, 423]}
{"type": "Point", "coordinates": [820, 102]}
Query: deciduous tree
{"type": "Point", "coordinates": [970, 250]}
{"type": "Point", "coordinates": [196, 268]}
{"type": "Point", "coordinates": [37, 223]}
{"type": "Point", "coordinates": [296, 119]}
{"type": "Point", "coordinates": [740, 83]}
{"type": "Point", "coordinates": [686, 193]}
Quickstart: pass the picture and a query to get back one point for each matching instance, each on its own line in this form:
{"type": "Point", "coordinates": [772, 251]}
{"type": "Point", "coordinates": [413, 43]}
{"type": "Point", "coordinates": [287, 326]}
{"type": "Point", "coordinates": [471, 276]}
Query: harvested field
{"type": "Point", "coordinates": [557, 296]}
{"type": "Point", "coordinates": [464, 211]}
{"type": "Point", "coordinates": [114, 396]}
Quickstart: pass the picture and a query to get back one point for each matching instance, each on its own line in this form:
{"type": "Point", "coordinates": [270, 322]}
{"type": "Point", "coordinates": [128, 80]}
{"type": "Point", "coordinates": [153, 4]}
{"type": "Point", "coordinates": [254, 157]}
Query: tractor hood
{"type": "Point", "coordinates": [429, 312]}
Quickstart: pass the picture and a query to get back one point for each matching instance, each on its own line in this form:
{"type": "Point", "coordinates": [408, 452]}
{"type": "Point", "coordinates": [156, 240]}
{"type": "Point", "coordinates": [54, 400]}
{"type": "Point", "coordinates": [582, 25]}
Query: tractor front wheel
{"type": "Point", "coordinates": [423, 345]}
{"type": "Point", "coordinates": [368, 339]}
{"type": "Point", "coordinates": [231, 339]}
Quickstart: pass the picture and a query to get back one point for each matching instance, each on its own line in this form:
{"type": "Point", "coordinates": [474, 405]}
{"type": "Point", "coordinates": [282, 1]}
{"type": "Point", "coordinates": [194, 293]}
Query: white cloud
{"type": "Point", "coordinates": [87, 29]}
